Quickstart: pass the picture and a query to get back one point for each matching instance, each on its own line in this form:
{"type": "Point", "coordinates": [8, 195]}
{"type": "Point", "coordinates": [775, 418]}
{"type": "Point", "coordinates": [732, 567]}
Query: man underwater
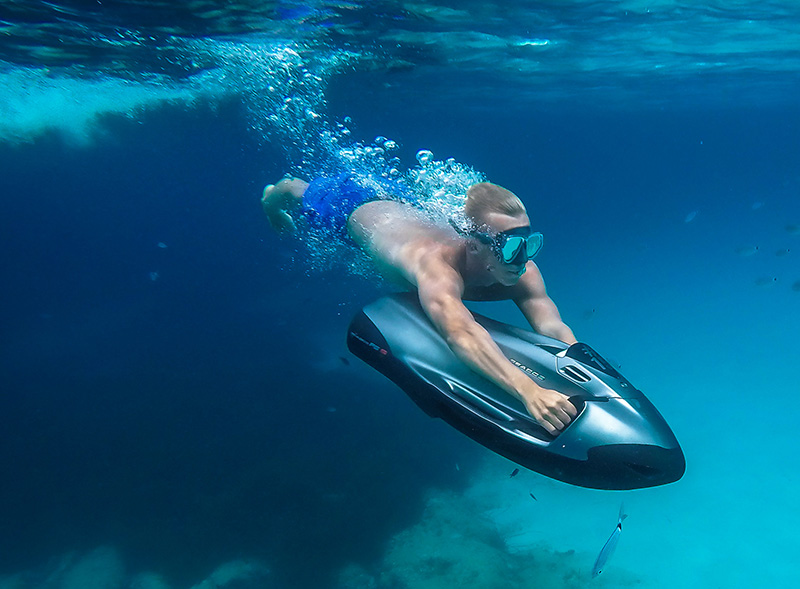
{"type": "Point", "coordinates": [491, 259]}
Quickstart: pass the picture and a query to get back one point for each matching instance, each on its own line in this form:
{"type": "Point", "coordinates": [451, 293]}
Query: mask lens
{"type": "Point", "coordinates": [534, 244]}
{"type": "Point", "coordinates": [515, 245]}
{"type": "Point", "coordinates": [511, 248]}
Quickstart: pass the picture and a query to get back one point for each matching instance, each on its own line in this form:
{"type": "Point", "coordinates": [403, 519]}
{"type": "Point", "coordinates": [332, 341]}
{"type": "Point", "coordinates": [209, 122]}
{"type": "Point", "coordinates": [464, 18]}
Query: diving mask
{"type": "Point", "coordinates": [513, 246]}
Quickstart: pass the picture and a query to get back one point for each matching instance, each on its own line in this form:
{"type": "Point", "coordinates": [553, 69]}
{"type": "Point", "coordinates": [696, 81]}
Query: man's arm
{"type": "Point", "coordinates": [539, 309]}
{"type": "Point", "coordinates": [440, 289]}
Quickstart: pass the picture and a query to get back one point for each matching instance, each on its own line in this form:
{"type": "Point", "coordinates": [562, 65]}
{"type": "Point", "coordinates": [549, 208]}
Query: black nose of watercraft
{"type": "Point", "coordinates": [623, 467]}
{"type": "Point", "coordinates": [634, 466]}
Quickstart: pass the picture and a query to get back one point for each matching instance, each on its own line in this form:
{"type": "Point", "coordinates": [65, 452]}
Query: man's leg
{"type": "Point", "coordinates": [279, 199]}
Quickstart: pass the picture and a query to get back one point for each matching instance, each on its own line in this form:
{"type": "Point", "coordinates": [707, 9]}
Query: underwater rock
{"type": "Point", "coordinates": [101, 568]}
{"type": "Point", "coordinates": [148, 581]}
{"type": "Point", "coordinates": [449, 548]}
{"type": "Point", "coordinates": [15, 581]}
{"type": "Point", "coordinates": [354, 576]}
{"type": "Point", "coordinates": [455, 545]}
{"type": "Point", "coordinates": [237, 574]}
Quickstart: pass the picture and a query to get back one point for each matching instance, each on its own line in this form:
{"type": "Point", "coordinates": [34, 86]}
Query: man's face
{"type": "Point", "coordinates": [502, 273]}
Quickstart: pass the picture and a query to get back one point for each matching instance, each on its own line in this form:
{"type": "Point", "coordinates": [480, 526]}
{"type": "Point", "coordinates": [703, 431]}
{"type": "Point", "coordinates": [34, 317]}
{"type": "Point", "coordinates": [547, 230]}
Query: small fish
{"type": "Point", "coordinates": [782, 252]}
{"type": "Point", "coordinates": [514, 473]}
{"type": "Point", "coordinates": [796, 286]}
{"type": "Point", "coordinates": [793, 228]}
{"type": "Point", "coordinates": [457, 466]}
{"type": "Point", "coordinates": [766, 281]}
{"type": "Point", "coordinates": [747, 250]}
{"type": "Point", "coordinates": [690, 217]}
{"type": "Point", "coordinates": [757, 205]}
{"type": "Point", "coordinates": [344, 360]}
{"type": "Point", "coordinates": [162, 245]}
{"type": "Point", "coordinates": [610, 545]}
{"type": "Point", "coordinates": [533, 496]}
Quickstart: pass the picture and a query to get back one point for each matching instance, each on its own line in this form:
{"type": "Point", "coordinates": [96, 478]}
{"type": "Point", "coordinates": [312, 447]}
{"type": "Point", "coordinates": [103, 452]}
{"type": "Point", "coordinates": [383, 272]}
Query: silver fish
{"type": "Point", "coordinates": [747, 250]}
{"type": "Point", "coordinates": [610, 545]}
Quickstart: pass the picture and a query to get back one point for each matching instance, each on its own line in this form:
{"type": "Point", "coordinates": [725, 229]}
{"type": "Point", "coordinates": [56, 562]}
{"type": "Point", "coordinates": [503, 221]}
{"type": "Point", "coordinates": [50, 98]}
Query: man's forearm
{"type": "Point", "coordinates": [475, 347]}
{"type": "Point", "coordinates": [478, 350]}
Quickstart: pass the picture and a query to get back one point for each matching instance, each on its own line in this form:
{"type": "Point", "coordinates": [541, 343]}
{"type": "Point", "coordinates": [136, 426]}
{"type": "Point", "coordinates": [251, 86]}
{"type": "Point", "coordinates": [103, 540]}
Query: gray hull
{"type": "Point", "coordinates": [618, 440]}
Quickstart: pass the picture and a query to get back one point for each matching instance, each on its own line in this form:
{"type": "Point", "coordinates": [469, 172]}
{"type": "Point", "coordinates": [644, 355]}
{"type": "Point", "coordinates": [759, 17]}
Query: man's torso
{"type": "Point", "coordinates": [399, 238]}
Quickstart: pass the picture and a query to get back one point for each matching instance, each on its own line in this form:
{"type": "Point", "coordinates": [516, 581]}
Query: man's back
{"type": "Point", "coordinates": [400, 238]}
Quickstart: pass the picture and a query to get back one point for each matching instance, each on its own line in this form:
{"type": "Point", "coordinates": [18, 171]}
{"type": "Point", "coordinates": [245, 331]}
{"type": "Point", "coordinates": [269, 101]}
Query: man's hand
{"type": "Point", "coordinates": [551, 409]}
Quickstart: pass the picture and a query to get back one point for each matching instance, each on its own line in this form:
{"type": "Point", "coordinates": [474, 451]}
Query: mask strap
{"type": "Point", "coordinates": [471, 232]}
{"type": "Point", "coordinates": [458, 228]}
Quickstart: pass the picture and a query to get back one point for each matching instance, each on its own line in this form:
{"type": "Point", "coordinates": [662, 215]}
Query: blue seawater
{"type": "Point", "coordinates": [178, 405]}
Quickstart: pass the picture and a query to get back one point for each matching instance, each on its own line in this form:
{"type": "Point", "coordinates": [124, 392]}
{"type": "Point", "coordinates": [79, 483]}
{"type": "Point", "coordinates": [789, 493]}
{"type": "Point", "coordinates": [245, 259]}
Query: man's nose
{"type": "Point", "coordinates": [520, 259]}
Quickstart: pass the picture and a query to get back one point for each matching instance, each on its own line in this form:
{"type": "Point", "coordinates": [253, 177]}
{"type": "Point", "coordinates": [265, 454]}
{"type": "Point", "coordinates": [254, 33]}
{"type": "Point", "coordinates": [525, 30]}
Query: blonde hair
{"type": "Point", "coordinates": [485, 198]}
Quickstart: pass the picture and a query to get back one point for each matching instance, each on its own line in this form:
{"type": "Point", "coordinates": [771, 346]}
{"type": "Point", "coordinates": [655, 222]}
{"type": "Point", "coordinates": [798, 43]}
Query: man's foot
{"type": "Point", "coordinates": [279, 198]}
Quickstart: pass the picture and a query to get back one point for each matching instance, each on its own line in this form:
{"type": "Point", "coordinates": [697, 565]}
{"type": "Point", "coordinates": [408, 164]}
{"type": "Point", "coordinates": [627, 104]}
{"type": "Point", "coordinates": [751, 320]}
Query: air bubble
{"type": "Point", "coordinates": [424, 156]}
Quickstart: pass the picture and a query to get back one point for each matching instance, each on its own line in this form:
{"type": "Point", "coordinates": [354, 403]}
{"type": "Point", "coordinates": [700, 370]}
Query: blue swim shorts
{"type": "Point", "coordinates": [329, 200]}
